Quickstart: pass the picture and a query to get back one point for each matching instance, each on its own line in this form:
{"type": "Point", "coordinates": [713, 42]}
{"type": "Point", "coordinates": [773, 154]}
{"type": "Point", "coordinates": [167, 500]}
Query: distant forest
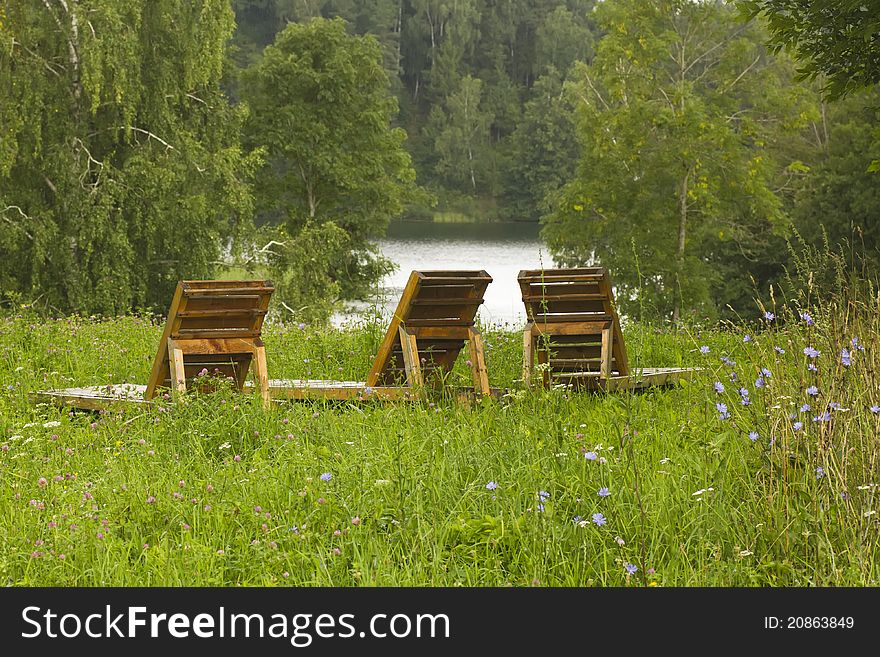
{"type": "Point", "coordinates": [469, 76]}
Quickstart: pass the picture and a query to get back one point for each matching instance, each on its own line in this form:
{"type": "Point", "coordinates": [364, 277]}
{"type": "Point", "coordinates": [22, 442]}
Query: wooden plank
{"type": "Point", "coordinates": [619, 347]}
{"type": "Point", "coordinates": [568, 328]}
{"type": "Point", "coordinates": [336, 390]}
{"type": "Point", "coordinates": [442, 332]}
{"type": "Point", "coordinates": [561, 278]}
{"type": "Point", "coordinates": [213, 333]}
{"type": "Point", "coordinates": [528, 355]}
{"type": "Point", "coordinates": [160, 362]}
{"type": "Point", "coordinates": [214, 284]}
{"type": "Point", "coordinates": [231, 291]}
{"type": "Point", "coordinates": [177, 370]}
{"type": "Point", "coordinates": [411, 360]}
{"type": "Point", "coordinates": [219, 346]}
{"type": "Point", "coordinates": [223, 312]}
{"type": "Point", "coordinates": [392, 335]}
{"type": "Point", "coordinates": [478, 362]}
{"type": "Point", "coordinates": [566, 306]}
{"type": "Point", "coordinates": [447, 301]}
{"type": "Point", "coordinates": [207, 302]}
{"type": "Point", "coordinates": [549, 318]}
{"type": "Point", "coordinates": [459, 290]}
{"type": "Point", "coordinates": [261, 375]}
{"type": "Point", "coordinates": [441, 312]}
{"type": "Point", "coordinates": [439, 322]}
{"type": "Point", "coordinates": [607, 338]}
{"type": "Point", "coordinates": [555, 295]}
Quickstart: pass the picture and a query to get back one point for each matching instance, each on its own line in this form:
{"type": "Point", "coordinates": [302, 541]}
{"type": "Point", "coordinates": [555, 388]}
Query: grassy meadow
{"type": "Point", "coordinates": [760, 472]}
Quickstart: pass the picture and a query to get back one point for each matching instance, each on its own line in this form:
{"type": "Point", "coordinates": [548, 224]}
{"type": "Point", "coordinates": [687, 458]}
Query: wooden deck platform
{"type": "Point", "coordinates": [110, 397]}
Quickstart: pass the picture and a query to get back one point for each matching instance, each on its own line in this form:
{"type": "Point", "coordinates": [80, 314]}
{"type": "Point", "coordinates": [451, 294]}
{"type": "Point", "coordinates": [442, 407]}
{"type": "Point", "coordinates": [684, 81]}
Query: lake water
{"type": "Point", "coordinates": [502, 249]}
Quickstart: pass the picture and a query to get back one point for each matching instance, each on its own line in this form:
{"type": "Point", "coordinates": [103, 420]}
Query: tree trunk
{"type": "Point", "coordinates": [679, 254]}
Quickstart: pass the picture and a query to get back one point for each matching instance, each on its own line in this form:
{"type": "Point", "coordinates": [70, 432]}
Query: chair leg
{"type": "Point", "coordinates": [261, 374]}
{"type": "Point", "coordinates": [478, 362]}
{"type": "Point", "coordinates": [605, 370]}
{"type": "Point", "coordinates": [177, 370]}
{"type": "Point", "coordinates": [411, 358]}
{"type": "Point", "coordinates": [528, 355]}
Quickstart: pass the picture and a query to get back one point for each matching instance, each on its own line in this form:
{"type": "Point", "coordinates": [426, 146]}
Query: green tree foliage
{"type": "Point", "coordinates": [321, 107]}
{"type": "Point", "coordinates": [562, 40]}
{"type": "Point", "coordinates": [839, 202]}
{"type": "Point", "coordinates": [460, 132]}
{"type": "Point", "coordinates": [677, 115]}
{"type": "Point", "coordinates": [120, 165]}
{"type": "Point", "coordinates": [544, 151]}
{"type": "Point", "coordinates": [834, 39]}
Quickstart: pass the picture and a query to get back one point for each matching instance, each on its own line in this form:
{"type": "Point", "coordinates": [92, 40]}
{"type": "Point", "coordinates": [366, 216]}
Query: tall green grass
{"type": "Point", "coordinates": [215, 491]}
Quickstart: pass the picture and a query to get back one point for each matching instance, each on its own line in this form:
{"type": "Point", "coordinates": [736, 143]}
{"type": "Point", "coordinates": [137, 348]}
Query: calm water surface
{"type": "Point", "coordinates": [502, 249]}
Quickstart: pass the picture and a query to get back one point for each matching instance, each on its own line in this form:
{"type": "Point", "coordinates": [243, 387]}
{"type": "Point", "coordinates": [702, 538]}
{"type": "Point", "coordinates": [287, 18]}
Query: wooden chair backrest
{"type": "Point", "coordinates": [569, 308]}
{"type": "Point", "coordinates": [438, 308]}
{"type": "Point", "coordinates": [218, 323]}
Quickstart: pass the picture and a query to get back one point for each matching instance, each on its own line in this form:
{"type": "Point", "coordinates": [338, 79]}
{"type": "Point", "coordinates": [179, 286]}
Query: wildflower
{"type": "Point", "coordinates": [812, 367]}
{"type": "Point", "coordinates": [857, 345]}
{"type": "Point", "coordinates": [766, 373]}
{"type": "Point", "coordinates": [540, 508]}
{"type": "Point", "coordinates": [719, 387]}
{"type": "Point", "coordinates": [779, 350]}
{"type": "Point", "coordinates": [631, 568]}
{"type": "Point", "coordinates": [604, 492]}
{"type": "Point", "coordinates": [797, 426]}
{"type": "Point", "coordinates": [722, 411]}
{"type": "Point", "coordinates": [336, 552]}
{"type": "Point", "coordinates": [491, 485]}
{"type": "Point", "coordinates": [753, 436]}
{"type": "Point", "coordinates": [805, 408]}
{"type": "Point", "coordinates": [845, 357]}
{"type": "Point", "coordinates": [100, 536]}
{"type": "Point", "coordinates": [577, 520]}
{"type": "Point", "coordinates": [186, 527]}
{"type": "Point", "coordinates": [747, 338]}
{"type": "Point", "coordinates": [807, 318]}
{"type": "Point", "coordinates": [759, 382]}
{"type": "Point", "coordinates": [733, 376]}
{"type": "Point", "coordinates": [820, 472]}
{"type": "Point", "coordinates": [302, 326]}
{"type": "Point", "coordinates": [823, 417]}
{"type": "Point", "coordinates": [181, 483]}
{"type": "Point", "coordinates": [41, 482]}
{"type": "Point", "coordinates": [221, 552]}
{"type": "Point", "coordinates": [769, 316]}
{"type": "Point", "coordinates": [590, 456]}
{"type": "Point", "coordinates": [875, 409]}
{"type": "Point", "coordinates": [728, 361]}
{"type": "Point", "coordinates": [619, 541]}
{"type": "Point", "coordinates": [321, 500]}
{"type": "Point", "coordinates": [810, 352]}
{"type": "Point", "coordinates": [151, 499]}
{"type": "Point", "coordinates": [327, 476]}
{"type": "Point", "coordinates": [356, 521]}
{"type": "Point", "coordinates": [704, 349]}
{"type": "Point", "coordinates": [812, 391]}
{"type": "Point", "coordinates": [87, 496]}
{"type": "Point", "coordinates": [599, 519]}
{"type": "Point", "coordinates": [543, 495]}
{"type": "Point", "coordinates": [744, 393]}
{"type": "Point", "coordinates": [236, 458]}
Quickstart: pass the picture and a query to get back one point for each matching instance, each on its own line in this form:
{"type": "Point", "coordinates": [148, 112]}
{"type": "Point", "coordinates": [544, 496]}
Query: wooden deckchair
{"type": "Point", "coordinates": [434, 318]}
{"type": "Point", "coordinates": [213, 328]}
{"type": "Point", "coordinates": [574, 330]}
